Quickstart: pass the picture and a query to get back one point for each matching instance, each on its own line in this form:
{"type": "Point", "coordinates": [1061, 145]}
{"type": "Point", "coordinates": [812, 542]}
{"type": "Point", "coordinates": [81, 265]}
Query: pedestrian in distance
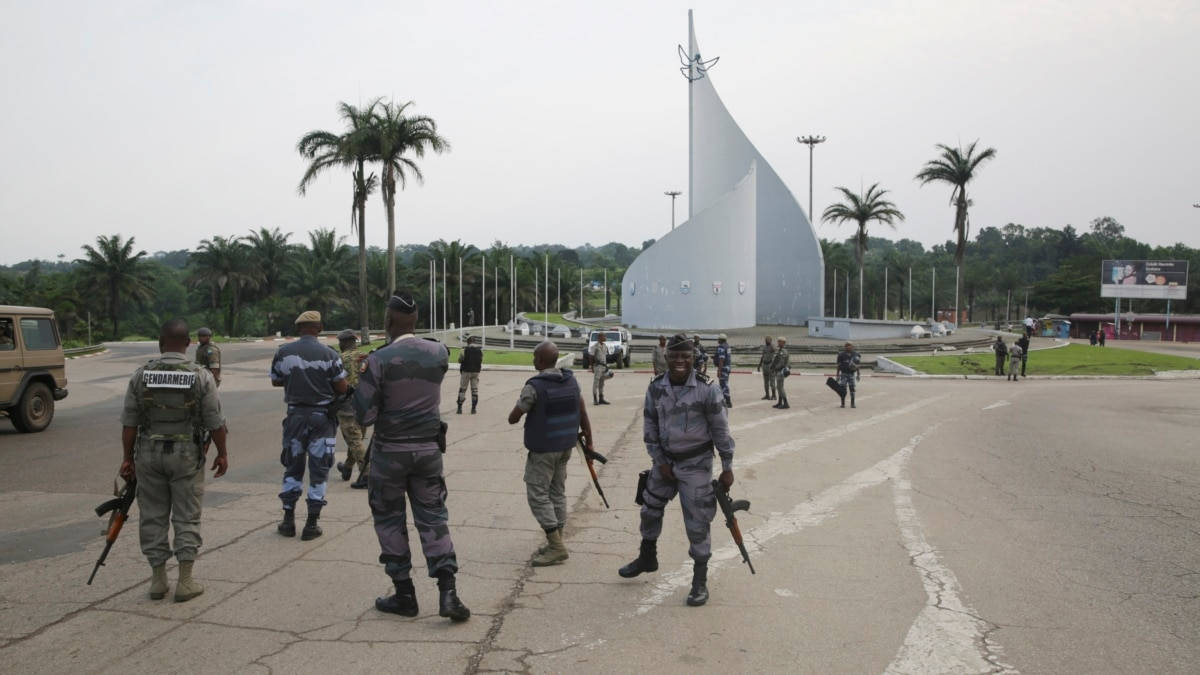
{"type": "Point", "coordinates": [311, 375]}
{"type": "Point", "coordinates": [684, 419]}
{"type": "Point", "coordinates": [169, 404]}
{"type": "Point", "coordinates": [599, 356]}
{"type": "Point", "coordinates": [848, 372]}
{"type": "Point", "coordinates": [556, 412]}
{"type": "Point", "coordinates": [723, 361]}
{"type": "Point", "coordinates": [1092, 338]}
{"type": "Point", "coordinates": [1102, 335]}
{"type": "Point", "coordinates": [1001, 351]}
{"type": "Point", "coordinates": [470, 363]}
{"type": "Point", "coordinates": [1023, 343]}
{"type": "Point", "coordinates": [780, 369]}
{"type": "Point", "coordinates": [764, 364]}
{"type": "Point", "coordinates": [1028, 327]}
{"type": "Point", "coordinates": [352, 433]}
{"type": "Point", "coordinates": [659, 356]}
{"type": "Point", "coordinates": [400, 393]}
{"type": "Point", "coordinates": [208, 355]}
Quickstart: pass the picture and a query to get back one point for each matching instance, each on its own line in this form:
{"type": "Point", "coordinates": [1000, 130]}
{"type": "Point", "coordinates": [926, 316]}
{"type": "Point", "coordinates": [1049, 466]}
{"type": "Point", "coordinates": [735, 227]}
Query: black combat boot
{"type": "Point", "coordinates": [647, 560]}
{"type": "Point", "coordinates": [345, 468]}
{"type": "Point", "coordinates": [448, 603]}
{"type": "Point", "coordinates": [311, 529]}
{"type": "Point", "coordinates": [361, 482]}
{"type": "Point", "coordinates": [843, 400]}
{"type": "Point", "coordinates": [404, 602]}
{"type": "Point", "coordinates": [474, 404]}
{"type": "Point", "coordinates": [699, 594]}
{"type": "Point", "coordinates": [783, 403]}
{"type": "Point", "coordinates": [602, 401]}
{"type": "Point", "coordinates": [287, 526]}
{"type": "Point", "coordinates": [459, 411]}
{"type": "Point", "coordinates": [728, 403]}
{"type": "Point", "coordinates": [852, 399]}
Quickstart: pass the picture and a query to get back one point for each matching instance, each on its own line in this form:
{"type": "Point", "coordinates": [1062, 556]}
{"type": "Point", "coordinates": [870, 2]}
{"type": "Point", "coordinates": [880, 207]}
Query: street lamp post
{"type": "Point", "coordinates": [672, 194]}
{"type": "Point", "coordinates": [810, 141]}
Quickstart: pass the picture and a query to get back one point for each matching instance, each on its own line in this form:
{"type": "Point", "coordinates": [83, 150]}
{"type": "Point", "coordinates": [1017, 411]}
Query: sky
{"type": "Point", "coordinates": [173, 122]}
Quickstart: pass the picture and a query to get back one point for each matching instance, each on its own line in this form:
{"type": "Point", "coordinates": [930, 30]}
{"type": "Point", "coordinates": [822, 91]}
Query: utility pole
{"type": "Point", "coordinates": [885, 292]}
{"type": "Point", "coordinates": [496, 290]}
{"type": "Point", "coordinates": [460, 298]}
{"type": "Point", "coordinates": [910, 293]}
{"type": "Point", "coordinates": [512, 297]}
{"type": "Point", "coordinates": [580, 294]}
{"type": "Point", "coordinates": [558, 292]}
{"type": "Point", "coordinates": [445, 296]}
{"type": "Point", "coordinates": [811, 142]}
{"type": "Point", "coordinates": [605, 291]}
{"type": "Point", "coordinates": [835, 271]}
{"type": "Point", "coordinates": [933, 296]}
{"type": "Point", "coordinates": [672, 194]}
{"type": "Point", "coordinates": [847, 294]}
{"type": "Point", "coordinates": [546, 294]}
{"type": "Point", "coordinates": [483, 298]}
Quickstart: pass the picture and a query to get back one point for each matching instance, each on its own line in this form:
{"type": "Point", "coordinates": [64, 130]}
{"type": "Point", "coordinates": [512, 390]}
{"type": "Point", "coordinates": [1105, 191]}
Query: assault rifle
{"type": "Point", "coordinates": [728, 507]}
{"type": "Point", "coordinates": [119, 506]}
{"type": "Point", "coordinates": [589, 456]}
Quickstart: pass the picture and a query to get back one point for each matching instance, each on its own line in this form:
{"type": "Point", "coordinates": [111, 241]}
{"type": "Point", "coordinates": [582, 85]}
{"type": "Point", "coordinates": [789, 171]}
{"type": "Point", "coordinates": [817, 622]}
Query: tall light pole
{"type": "Point", "coordinates": [810, 141]}
{"type": "Point", "coordinates": [672, 194]}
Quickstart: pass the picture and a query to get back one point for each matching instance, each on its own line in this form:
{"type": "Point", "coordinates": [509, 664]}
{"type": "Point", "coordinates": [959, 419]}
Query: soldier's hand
{"type": "Point", "coordinates": [220, 466]}
{"type": "Point", "coordinates": [666, 472]}
{"type": "Point", "coordinates": [726, 479]}
{"type": "Point", "coordinates": [127, 469]}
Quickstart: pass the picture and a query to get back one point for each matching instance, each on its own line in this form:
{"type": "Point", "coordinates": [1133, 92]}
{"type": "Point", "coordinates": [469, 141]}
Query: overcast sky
{"type": "Point", "coordinates": [174, 121]}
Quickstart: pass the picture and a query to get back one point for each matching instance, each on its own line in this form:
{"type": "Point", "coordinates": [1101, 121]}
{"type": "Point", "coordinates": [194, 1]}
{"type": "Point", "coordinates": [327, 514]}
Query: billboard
{"type": "Point", "coordinates": [1150, 279]}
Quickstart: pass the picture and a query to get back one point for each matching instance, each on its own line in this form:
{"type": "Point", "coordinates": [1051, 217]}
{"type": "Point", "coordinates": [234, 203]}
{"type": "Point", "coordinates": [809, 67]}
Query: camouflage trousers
{"type": "Point", "coordinates": [170, 476]}
{"type": "Point", "coordinates": [768, 383]}
{"type": "Point", "coordinates": [723, 380]}
{"type": "Point", "coordinates": [779, 380]}
{"type": "Point", "coordinates": [848, 380]}
{"type": "Point", "coordinates": [693, 484]}
{"type": "Point", "coordinates": [309, 438]}
{"type": "Point", "coordinates": [465, 379]}
{"type": "Point", "coordinates": [546, 487]}
{"type": "Point", "coordinates": [598, 377]}
{"type": "Point", "coordinates": [352, 433]}
{"type": "Point", "coordinates": [417, 475]}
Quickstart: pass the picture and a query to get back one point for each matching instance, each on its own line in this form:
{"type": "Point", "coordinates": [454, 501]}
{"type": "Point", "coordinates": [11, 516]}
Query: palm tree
{"type": "Point", "coordinates": [122, 274]}
{"type": "Point", "coordinates": [449, 253]}
{"type": "Point", "coordinates": [352, 149]}
{"type": "Point", "coordinates": [862, 209]}
{"type": "Point", "coordinates": [956, 168]}
{"type": "Point", "coordinates": [396, 135]}
{"type": "Point", "coordinates": [225, 263]}
{"type": "Point", "coordinates": [317, 276]}
{"type": "Point", "coordinates": [270, 252]}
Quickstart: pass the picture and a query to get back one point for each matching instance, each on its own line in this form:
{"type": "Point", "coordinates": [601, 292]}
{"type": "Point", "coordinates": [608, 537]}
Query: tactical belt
{"type": "Point", "coordinates": [702, 449]}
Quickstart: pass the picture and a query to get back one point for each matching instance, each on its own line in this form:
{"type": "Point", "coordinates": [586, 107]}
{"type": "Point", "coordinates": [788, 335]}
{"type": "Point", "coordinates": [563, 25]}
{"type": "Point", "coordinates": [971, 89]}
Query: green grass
{"type": "Point", "coordinates": [1069, 360]}
{"type": "Point", "coordinates": [551, 317]}
{"type": "Point", "coordinates": [138, 338]}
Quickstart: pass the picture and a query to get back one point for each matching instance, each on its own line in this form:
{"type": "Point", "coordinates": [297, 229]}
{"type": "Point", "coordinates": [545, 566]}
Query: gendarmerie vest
{"type": "Point", "coordinates": [553, 422]}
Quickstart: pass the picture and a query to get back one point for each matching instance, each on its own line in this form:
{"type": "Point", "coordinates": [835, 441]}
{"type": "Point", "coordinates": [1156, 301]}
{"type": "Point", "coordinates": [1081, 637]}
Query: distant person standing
{"type": "Point", "coordinates": [659, 357]}
{"type": "Point", "coordinates": [470, 363]}
{"type": "Point", "coordinates": [1001, 351]}
{"type": "Point", "coordinates": [1023, 343]}
{"type": "Point", "coordinates": [1092, 337]}
{"type": "Point", "coordinates": [1101, 335]}
{"type": "Point", "coordinates": [780, 369]}
{"type": "Point", "coordinates": [723, 361]}
{"type": "Point", "coordinates": [208, 355]}
{"type": "Point", "coordinates": [847, 371]}
{"type": "Point", "coordinates": [1029, 326]}
{"type": "Point", "coordinates": [701, 355]}
{"type": "Point", "coordinates": [764, 364]}
{"type": "Point", "coordinates": [311, 374]}
{"type": "Point", "coordinates": [599, 356]}
{"type": "Point", "coordinates": [470, 317]}
{"type": "Point", "coordinates": [1014, 355]}
{"type": "Point", "coordinates": [352, 433]}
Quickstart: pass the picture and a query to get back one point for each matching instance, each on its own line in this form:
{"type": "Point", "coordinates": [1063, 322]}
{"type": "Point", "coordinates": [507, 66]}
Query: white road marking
{"type": "Point", "coordinates": [997, 404]}
{"type": "Point", "coordinates": [784, 593]}
{"type": "Point", "coordinates": [806, 514]}
{"type": "Point", "coordinates": [786, 416]}
{"type": "Point", "coordinates": [947, 636]}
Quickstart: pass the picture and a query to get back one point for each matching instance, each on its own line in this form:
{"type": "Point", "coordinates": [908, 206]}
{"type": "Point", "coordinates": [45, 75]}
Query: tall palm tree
{"type": "Point", "coordinates": [351, 149]}
{"type": "Point", "coordinates": [317, 275]}
{"type": "Point", "coordinates": [956, 168]}
{"type": "Point", "coordinates": [270, 253]}
{"type": "Point", "coordinates": [399, 140]}
{"type": "Point", "coordinates": [122, 274]}
{"type": "Point", "coordinates": [862, 209]}
{"type": "Point", "coordinates": [225, 263]}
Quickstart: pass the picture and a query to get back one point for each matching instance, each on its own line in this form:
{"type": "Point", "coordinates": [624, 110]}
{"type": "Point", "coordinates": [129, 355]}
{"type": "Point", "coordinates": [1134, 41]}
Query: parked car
{"type": "Point", "coordinates": [617, 340]}
{"type": "Point", "coordinates": [33, 373]}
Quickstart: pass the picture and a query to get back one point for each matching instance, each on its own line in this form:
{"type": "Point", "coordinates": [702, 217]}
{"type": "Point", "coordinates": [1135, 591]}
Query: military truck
{"type": "Point", "coordinates": [33, 373]}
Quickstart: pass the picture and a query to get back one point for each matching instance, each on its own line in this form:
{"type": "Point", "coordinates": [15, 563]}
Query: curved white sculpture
{"type": "Point", "coordinates": [748, 254]}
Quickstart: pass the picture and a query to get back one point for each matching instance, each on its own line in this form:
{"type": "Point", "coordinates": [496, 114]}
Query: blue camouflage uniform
{"type": "Point", "coordinates": [723, 360]}
{"type": "Point", "coordinates": [307, 369]}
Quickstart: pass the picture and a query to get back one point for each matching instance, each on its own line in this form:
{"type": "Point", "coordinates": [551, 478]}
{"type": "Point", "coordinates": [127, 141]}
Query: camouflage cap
{"type": "Point", "coordinates": [204, 332]}
{"type": "Point", "coordinates": [347, 334]}
{"type": "Point", "coordinates": [310, 316]}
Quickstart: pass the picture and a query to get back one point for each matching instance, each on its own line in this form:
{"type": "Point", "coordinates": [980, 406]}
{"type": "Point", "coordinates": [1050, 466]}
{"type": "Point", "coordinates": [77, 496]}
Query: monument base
{"type": "Point", "coordinates": [841, 328]}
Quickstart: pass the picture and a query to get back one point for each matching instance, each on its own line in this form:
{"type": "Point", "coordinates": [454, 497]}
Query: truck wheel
{"type": "Point", "coordinates": [627, 356]}
{"type": "Point", "coordinates": [35, 410]}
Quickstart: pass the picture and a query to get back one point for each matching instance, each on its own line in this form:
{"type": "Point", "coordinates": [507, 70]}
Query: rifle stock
{"type": "Point", "coordinates": [590, 456]}
{"type": "Point", "coordinates": [729, 507]}
{"type": "Point", "coordinates": [120, 507]}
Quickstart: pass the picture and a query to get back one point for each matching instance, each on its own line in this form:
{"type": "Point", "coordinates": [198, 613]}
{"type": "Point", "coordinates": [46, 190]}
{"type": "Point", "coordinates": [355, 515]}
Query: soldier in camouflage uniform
{"type": "Point", "coordinates": [659, 356]}
{"type": "Point", "coordinates": [764, 364]}
{"type": "Point", "coordinates": [352, 433]}
{"type": "Point", "coordinates": [723, 360]}
{"type": "Point", "coordinates": [400, 392]}
{"type": "Point", "coordinates": [208, 354]}
{"type": "Point", "coordinates": [780, 368]}
{"type": "Point", "coordinates": [701, 357]}
{"type": "Point", "coordinates": [470, 363]}
{"type": "Point", "coordinates": [599, 356]}
{"type": "Point", "coordinates": [847, 371]}
{"type": "Point", "coordinates": [169, 403]}
{"type": "Point", "coordinates": [684, 419]}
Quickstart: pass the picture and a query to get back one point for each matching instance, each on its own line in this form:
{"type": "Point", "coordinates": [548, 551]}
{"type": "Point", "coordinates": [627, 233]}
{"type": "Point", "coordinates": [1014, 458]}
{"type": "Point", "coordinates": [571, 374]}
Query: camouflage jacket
{"type": "Point", "coordinates": [680, 419]}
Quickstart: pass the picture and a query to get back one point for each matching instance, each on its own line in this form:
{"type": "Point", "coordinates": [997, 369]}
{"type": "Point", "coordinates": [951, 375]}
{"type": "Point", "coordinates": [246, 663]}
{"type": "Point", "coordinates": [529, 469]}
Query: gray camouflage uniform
{"type": "Point", "coordinates": [599, 354]}
{"type": "Point", "coordinates": [167, 460]}
{"type": "Point", "coordinates": [659, 359]}
{"type": "Point", "coordinates": [779, 361]}
{"type": "Point", "coordinates": [679, 421]}
{"type": "Point", "coordinates": [400, 393]}
{"type": "Point", "coordinates": [764, 364]}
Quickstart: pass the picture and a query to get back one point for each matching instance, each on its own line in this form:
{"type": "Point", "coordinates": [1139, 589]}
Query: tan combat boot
{"type": "Point", "coordinates": [187, 587]}
{"type": "Point", "coordinates": [555, 552]}
{"type": "Point", "coordinates": [158, 582]}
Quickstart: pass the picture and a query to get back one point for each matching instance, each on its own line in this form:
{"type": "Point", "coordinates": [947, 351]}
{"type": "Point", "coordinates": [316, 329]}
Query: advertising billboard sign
{"type": "Point", "coordinates": [1149, 279]}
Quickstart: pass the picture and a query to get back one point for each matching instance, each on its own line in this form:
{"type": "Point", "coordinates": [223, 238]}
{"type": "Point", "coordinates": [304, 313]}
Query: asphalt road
{"type": "Point", "coordinates": [942, 526]}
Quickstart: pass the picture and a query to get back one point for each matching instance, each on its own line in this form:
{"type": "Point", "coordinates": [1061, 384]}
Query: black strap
{"type": "Point", "coordinates": [702, 449]}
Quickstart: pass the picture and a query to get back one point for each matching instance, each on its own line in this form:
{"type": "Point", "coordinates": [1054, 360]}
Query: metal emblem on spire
{"type": "Point", "coordinates": [694, 67]}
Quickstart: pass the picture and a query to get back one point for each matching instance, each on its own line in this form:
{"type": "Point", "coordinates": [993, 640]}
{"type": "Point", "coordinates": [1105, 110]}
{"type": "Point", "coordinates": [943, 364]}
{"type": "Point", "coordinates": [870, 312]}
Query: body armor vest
{"type": "Point", "coordinates": [169, 401]}
{"type": "Point", "coordinates": [554, 421]}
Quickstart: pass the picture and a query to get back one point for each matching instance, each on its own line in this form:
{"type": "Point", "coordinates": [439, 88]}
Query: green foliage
{"type": "Point", "coordinates": [1070, 360]}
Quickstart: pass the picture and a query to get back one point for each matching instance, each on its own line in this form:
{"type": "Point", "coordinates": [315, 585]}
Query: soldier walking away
{"type": "Point", "coordinates": [169, 403]}
{"type": "Point", "coordinates": [1023, 343]}
{"type": "Point", "coordinates": [556, 412]}
{"type": "Point", "coordinates": [1015, 355]}
{"type": "Point", "coordinates": [847, 371]}
{"type": "Point", "coordinates": [701, 355]}
{"type": "Point", "coordinates": [723, 360]}
{"type": "Point", "coordinates": [208, 354]}
{"type": "Point", "coordinates": [352, 433]}
{"type": "Point", "coordinates": [764, 364]}
{"type": "Point", "coordinates": [1001, 351]}
{"type": "Point", "coordinates": [659, 357]}
{"type": "Point", "coordinates": [682, 454]}
{"type": "Point", "coordinates": [311, 374]}
{"type": "Point", "coordinates": [400, 393]}
{"type": "Point", "coordinates": [780, 369]}
{"type": "Point", "coordinates": [470, 363]}
{"type": "Point", "coordinates": [599, 356]}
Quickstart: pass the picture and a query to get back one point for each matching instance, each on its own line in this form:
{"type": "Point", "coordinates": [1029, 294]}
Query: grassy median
{"type": "Point", "coordinates": [1069, 360]}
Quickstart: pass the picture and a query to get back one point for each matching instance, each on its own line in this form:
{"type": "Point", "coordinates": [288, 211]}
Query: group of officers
{"type": "Point", "coordinates": [172, 412]}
